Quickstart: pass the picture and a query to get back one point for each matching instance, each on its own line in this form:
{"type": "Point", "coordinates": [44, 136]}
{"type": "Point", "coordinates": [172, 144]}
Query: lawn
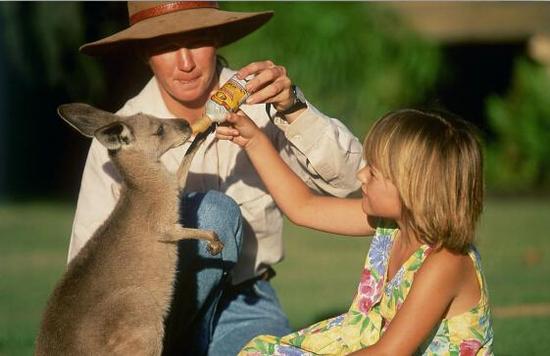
{"type": "Point", "coordinates": [316, 280]}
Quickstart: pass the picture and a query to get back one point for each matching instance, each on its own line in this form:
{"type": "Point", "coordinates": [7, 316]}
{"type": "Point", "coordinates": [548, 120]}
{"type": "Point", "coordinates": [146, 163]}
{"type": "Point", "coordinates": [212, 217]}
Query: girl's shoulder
{"type": "Point", "coordinates": [446, 255]}
{"type": "Point", "coordinates": [460, 273]}
{"type": "Point", "coordinates": [453, 260]}
{"type": "Point", "coordinates": [447, 264]}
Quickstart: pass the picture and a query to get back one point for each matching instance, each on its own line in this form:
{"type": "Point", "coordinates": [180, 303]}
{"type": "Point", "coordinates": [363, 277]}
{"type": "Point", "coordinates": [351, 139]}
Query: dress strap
{"type": "Point", "coordinates": [476, 259]}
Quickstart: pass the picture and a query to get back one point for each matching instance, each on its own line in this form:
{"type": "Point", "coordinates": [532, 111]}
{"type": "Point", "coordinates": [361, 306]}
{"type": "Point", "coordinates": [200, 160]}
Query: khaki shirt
{"type": "Point", "coordinates": [321, 150]}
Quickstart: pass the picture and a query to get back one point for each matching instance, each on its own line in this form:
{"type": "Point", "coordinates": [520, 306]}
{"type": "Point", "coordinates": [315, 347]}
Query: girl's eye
{"type": "Point", "coordinates": [160, 131]}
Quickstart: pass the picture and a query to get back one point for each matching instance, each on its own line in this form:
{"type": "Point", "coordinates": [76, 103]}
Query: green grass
{"type": "Point", "coordinates": [33, 244]}
{"type": "Point", "coordinates": [316, 280]}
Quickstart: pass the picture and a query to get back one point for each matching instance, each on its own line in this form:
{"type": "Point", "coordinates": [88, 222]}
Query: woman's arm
{"type": "Point", "coordinates": [321, 150]}
{"type": "Point", "coordinates": [303, 207]}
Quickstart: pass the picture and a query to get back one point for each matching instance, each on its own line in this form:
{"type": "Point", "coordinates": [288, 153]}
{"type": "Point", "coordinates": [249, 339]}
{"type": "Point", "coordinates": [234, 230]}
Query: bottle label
{"type": "Point", "coordinates": [231, 95]}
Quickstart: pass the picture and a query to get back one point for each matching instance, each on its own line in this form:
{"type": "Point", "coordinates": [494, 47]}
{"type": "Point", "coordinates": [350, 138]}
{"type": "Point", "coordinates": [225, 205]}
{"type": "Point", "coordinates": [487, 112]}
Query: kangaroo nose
{"type": "Point", "coordinates": [183, 124]}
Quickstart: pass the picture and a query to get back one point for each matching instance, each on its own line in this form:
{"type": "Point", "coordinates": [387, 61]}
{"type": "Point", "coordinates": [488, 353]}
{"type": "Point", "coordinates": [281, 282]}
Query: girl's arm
{"type": "Point", "coordinates": [435, 286]}
{"type": "Point", "coordinates": [299, 204]}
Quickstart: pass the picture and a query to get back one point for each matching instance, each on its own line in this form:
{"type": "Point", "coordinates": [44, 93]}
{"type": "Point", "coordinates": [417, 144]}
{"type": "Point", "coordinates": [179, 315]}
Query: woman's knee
{"type": "Point", "coordinates": [216, 211]}
{"type": "Point", "coordinates": [219, 202]}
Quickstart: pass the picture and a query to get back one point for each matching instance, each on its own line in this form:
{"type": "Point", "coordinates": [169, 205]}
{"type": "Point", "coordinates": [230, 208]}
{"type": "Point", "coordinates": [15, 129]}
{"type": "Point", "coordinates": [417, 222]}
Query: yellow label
{"type": "Point", "coordinates": [230, 95]}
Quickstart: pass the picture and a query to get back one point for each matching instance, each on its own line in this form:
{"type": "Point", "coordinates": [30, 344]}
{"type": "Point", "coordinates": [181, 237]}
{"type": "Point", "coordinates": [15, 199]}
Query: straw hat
{"type": "Point", "coordinates": [151, 19]}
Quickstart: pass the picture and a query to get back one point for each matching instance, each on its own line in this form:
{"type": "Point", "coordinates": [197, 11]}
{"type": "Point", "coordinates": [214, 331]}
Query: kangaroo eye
{"type": "Point", "coordinates": [160, 131]}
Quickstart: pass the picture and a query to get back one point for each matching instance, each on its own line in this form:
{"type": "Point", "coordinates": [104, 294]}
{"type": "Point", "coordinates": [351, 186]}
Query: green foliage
{"type": "Point", "coordinates": [41, 42]}
{"type": "Point", "coordinates": [518, 159]}
{"type": "Point", "coordinates": [353, 60]}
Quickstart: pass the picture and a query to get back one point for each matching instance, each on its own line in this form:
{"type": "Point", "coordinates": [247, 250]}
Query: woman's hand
{"type": "Point", "coordinates": [238, 128]}
{"type": "Point", "coordinates": [269, 85]}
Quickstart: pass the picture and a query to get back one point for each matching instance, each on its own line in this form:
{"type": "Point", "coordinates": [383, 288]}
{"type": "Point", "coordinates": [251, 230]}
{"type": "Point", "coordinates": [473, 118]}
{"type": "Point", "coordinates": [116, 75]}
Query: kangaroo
{"type": "Point", "coordinates": [116, 292]}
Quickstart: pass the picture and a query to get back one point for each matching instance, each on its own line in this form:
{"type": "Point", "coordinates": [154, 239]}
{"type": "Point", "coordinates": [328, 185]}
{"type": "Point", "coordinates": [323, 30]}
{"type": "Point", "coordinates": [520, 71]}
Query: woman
{"type": "Point", "coordinates": [220, 303]}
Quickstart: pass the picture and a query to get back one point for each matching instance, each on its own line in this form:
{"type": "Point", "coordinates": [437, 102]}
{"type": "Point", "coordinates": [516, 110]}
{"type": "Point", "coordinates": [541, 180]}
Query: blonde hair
{"type": "Point", "coordinates": [435, 161]}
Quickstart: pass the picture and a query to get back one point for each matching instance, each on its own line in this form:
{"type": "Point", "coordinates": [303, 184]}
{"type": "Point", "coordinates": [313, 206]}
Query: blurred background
{"type": "Point", "coordinates": [486, 61]}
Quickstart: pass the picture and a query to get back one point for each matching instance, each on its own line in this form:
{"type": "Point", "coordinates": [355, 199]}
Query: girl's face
{"type": "Point", "coordinates": [185, 70]}
{"type": "Point", "coordinates": [380, 196]}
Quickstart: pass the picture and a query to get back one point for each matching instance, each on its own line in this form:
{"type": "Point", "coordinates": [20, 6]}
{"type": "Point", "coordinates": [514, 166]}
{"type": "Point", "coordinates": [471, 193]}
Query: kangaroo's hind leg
{"type": "Point", "coordinates": [129, 322]}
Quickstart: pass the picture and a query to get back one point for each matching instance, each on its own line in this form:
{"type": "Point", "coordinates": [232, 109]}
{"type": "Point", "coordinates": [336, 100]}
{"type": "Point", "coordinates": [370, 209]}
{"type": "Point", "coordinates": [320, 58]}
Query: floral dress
{"type": "Point", "coordinates": [373, 309]}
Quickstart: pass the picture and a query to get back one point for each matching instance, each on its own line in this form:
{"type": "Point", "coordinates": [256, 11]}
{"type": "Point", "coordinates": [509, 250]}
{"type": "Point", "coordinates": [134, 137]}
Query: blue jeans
{"type": "Point", "coordinates": [208, 315]}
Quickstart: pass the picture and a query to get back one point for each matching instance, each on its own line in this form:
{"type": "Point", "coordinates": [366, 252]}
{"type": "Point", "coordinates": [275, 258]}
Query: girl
{"type": "Point", "coordinates": [422, 290]}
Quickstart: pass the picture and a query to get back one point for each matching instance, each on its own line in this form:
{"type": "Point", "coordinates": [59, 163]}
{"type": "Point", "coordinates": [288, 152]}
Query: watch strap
{"type": "Point", "coordinates": [297, 105]}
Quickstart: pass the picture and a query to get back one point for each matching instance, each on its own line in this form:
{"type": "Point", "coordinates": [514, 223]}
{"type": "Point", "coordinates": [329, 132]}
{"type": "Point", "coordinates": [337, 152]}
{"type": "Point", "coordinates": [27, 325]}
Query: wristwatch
{"type": "Point", "coordinates": [299, 101]}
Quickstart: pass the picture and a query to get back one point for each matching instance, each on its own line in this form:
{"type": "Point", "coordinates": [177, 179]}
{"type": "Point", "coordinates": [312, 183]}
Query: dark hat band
{"type": "Point", "coordinates": [170, 7]}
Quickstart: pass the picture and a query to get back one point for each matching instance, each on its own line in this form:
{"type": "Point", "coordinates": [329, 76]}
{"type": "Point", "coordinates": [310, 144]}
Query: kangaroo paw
{"type": "Point", "coordinates": [215, 247]}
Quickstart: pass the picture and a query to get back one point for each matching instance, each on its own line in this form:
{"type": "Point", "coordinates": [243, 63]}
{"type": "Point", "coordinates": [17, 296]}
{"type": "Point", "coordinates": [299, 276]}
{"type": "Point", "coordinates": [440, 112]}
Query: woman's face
{"type": "Point", "coordinates": [185, 69]}
{"type": "Point", "coordinates": [380, 196]}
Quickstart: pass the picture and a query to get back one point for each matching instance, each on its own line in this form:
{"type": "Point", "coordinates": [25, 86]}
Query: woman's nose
{"type": "Point", "coordinates": [185, 60]}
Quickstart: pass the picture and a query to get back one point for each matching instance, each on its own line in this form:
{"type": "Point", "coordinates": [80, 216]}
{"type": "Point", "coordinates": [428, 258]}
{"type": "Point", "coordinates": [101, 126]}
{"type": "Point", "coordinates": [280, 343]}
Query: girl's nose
{"type": "Point", "coordinates": [185, 60]}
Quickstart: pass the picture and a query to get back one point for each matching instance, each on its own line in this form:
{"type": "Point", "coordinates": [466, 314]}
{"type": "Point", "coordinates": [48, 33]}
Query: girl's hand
{"type": "Point", "coordinates": [240, 129]}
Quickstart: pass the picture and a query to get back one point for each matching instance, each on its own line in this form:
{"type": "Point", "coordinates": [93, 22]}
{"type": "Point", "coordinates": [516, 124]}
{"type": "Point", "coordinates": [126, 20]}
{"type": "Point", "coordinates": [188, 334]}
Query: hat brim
{"type": "Point", "coordinates": [227, 27]}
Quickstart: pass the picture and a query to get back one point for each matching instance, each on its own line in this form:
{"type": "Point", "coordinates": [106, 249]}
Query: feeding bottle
{"type": "Point", "coordinates": [226, 99]}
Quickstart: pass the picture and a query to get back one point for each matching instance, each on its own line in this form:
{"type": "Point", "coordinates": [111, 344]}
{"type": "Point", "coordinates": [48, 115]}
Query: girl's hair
{"type": "Point", "coordinates": [434, 159]}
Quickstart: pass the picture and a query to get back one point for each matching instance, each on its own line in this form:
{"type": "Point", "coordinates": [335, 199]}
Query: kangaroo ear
{"type": "Point", "coordinates": [85, 118]}
{"type": "Point", "coordinates": [115, 135]}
